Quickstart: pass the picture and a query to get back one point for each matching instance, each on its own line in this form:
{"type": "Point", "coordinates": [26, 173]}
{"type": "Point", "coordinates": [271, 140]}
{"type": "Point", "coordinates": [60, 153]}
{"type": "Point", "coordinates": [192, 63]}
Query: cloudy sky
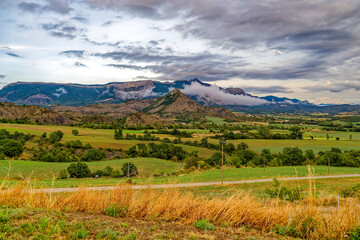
{"type": "Point", "coordinates": [304, 49]}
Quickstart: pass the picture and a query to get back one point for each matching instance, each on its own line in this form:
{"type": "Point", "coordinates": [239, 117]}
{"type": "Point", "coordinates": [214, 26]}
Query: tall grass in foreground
{"type": "Point", "coordinates": [313, 218]}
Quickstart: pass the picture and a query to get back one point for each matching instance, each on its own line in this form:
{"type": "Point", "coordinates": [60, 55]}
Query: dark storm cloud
{"type": "Point", "coordinates": [267, 89]}
{"type": "Point", "coordinates": [335, 87]}
{"type": "Point", "coordinates": [209, 66]}
{"type": "Point", "coordinates": [3, 76]}
{"type": "Point", "coordinates": [13, 55]}
{"type": "Point", "coordinates": [73, 53]}
{"type": "Point", "coordinates": [325, 32]}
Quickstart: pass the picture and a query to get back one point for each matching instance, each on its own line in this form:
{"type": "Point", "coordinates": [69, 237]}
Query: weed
{"type": "Point", "coordinates": [4, 216]}
{"type": "Point", "coordinates": [28, 228]}
{"type": "Point", "coordinates": [130, 236]}
{"type": "Point", "coordinates": [115, 211]}
{"type": "Point", "coordinates": [355, 233]}
{"type": "Point", "coordinates": [80, 234]}
{"type": "Point", "coordinates": [204, 225]}
{"type": "Point", "coordinates": [108, 234]}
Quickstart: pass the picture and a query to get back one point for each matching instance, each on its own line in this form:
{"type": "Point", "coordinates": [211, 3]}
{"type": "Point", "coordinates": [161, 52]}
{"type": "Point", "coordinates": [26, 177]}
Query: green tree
{"type": "Point", "coordinates": [79, 170]}
{"type": "Point", "coordinates": [242, 146]}
{"type": "Point", "coordinates": [75, 132]}
{"type": "Point", "coordinates": [56, 136]}
{"type": "Point", "coordinates": [292, 156]}
{"type": "Point", "coordinates": [266, 154]}
{"type": "Point", "coordinates": [129, 169]}
{"type": "Point", "coordinates": [215, 159]}
{"type": "Point", "coordinates": [264, 132]}
{"type": "Point", "coordinates": [118, 134]}
{"type": "Point", "coordinates": [296, 132]}
{"type": "Point", "coordinates": [12, 148]}
{"type": "Point", "coordinates": [309, 154]}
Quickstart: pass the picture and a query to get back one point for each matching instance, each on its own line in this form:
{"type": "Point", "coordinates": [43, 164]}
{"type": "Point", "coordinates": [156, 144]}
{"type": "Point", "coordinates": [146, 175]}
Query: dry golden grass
{"type": "Point", "coordinates": [311, 218]}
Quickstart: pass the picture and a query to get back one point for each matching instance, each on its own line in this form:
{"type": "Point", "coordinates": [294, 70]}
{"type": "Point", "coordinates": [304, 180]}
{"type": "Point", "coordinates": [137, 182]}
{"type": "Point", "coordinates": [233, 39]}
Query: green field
{"type": "Point", "coordinates": [103, 138]}
{"type": "Point", "coordinates": [277, 145]}
{"type": "Point", "coordinates": [147, 167]}
{"type": "Point", "coordinates": [45, 170]}
{"type": "Point", "coordinates": [216, 120]}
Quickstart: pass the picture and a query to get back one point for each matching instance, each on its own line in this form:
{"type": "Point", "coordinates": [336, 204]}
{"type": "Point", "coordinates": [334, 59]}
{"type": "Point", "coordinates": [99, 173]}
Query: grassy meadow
{"type": "Point", "coordinates": [40, 174]}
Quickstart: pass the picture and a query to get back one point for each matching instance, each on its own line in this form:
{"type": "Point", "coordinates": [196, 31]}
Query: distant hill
{"type": "Point", "coordinates": [34, 114]}
{"type": "Point", "coordinates": [52, 94]}
{"type": "Point", "coordinates": [159, 111]}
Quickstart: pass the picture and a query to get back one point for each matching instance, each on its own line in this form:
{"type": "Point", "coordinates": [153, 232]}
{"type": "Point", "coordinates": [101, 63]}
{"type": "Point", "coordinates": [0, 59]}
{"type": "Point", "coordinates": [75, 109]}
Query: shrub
{"type": "Point", "coordinates": [283, 192]}
{"type": "Point", "coordinates": [351, 192]}
{"type": "Point", "coordinates": [74, 144]}
{"type": "Point", "coordinates": [215, 159]}
{"type": "Point", "coordinates": [204, 225]}
{"type": "Point", "coordinates": [63, 174]}
{"type": "Point", "coordinates": [93, 155]}
{"type": "Point", "coordinates": [56, 136]}
{"type": "Point", "coordinates": [75, 132]}
{"type": "Point", "coordinates": [116, 174]}
{"type": "Point", "coordinates": [12, 148]}
{"type": "Point", "coordinates": [79, 170]}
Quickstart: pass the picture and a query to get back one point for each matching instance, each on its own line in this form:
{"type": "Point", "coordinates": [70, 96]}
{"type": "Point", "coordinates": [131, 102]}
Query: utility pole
{"type": "Point", "coordinates": [328, 165]}
{"type": "Point", "coordinates": [222, 142]}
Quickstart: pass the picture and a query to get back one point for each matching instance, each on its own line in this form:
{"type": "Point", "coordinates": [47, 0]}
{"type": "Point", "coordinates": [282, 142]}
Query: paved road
{"type": "Point", "coordinates": [196, 184]}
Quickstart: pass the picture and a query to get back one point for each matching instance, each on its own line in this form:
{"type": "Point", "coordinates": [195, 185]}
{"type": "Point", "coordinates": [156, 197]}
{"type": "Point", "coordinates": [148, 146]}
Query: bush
{"type": "Point", "coordinates": [204, 225]}
{"type": "Point", "coordinates": [351, 192]}
{"type": "Point", "coordinates": [12, 148]}
{"type": "Point", "coordinates": [63, 174]}
{"type": "Point", "coordinates": [75, 132]}
{"type": "Point", "coordinates": [106, 172]}
{"type": "Point", "coordinates": [215, 159]}
{"type": "Point", "coordinates": [116, 174]}
{"type": "Point", "coordinates": [283, 192]}
{"type": "Point", "coordinates": [93, 155]}
{"type": "Point", "coordinates": [74, 144]}
{"type": "Point", "coordinates": [129, 170]}
{"type": "Point", "coordinates": [79, 170]}
{"type": "Point", "coordinates": [56, 136]}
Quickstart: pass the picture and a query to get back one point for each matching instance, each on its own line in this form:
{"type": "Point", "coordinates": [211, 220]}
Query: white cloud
{"type": "Point", "coordinates": [215, 95]}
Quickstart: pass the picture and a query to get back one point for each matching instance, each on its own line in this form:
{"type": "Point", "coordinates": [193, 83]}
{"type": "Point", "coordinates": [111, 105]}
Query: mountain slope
{"type": "Point", "coordinates": [34, 114]}
{"type": "Point", "coordinates": [177, 104]}
{"type": "Point", "coordinates": [52, 94]}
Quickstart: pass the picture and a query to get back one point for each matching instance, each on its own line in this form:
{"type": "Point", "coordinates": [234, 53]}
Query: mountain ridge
{"type": "Point", "coordinates": [73, 94]}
